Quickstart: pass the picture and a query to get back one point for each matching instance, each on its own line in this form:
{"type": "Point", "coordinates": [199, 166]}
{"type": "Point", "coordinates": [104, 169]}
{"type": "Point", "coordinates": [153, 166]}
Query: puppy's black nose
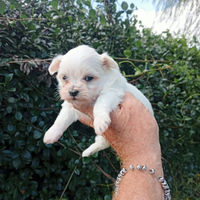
{"type": "Point", "coordinates": [73, 93]}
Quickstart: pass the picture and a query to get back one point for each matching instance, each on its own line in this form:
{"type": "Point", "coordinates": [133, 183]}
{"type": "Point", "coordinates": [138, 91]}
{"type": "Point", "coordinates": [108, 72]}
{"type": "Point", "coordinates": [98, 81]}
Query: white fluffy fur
{"type": "Point", "coordinates": [106, 90]}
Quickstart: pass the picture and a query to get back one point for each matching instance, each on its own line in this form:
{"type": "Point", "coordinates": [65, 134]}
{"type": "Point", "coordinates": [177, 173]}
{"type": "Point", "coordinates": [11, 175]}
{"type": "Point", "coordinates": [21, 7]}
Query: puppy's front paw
{"type": "Point", "coordinates": [88, 152]}
{"type": "Point", "coordinates": [51, 136]}
{"type": "Point", "coordinates": [101, 124]}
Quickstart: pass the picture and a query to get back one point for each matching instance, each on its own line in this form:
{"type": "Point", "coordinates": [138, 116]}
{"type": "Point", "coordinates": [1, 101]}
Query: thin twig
{"type": "Point", "coordinates": [105, 174]}
{"type": "Point", "coordinates": [137, 79]}
{"type": "Point", "coordinates": [76, 152]}
{"type": "Point", "coordinates": [63, 5]}
{"type": "Point", "coordinates": [135, 75]}
{"type": "Point", "coordinates": [142, 60]}
{"type": "Point", "coordinates": [25, 19]}
{"type": "Point", "coordinates": [38, 108]}
{"type": "Point", "coordinates": [106, 36]}
{"type": "Point", "coordinates": [40, 130]}
{"type": "Point", "coordinates": [68, 183]}
{"type": "Point", "coordinates": [159, 69]}
{"type": "Point", "coordinates": [99, 168]}
{"type": "Point", "coordinates": [152, 57]}
{"type": "Point", "coordinates": [25, 61]}
{"type": "Point", "coordinates": [30, 84]}
{"type": "Point", "coordinates": [61, 144]}
{"type": "Point", "coordinates": [75, 141]}
{"type": "Point", "coordinates": [111, 163]}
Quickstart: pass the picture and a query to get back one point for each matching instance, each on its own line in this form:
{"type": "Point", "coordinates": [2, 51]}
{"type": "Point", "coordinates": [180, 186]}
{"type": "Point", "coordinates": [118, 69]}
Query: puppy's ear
{"type": "Point", "coordinates": [54, 66]}
{"type": "Point", "coordinates": [108, 62]}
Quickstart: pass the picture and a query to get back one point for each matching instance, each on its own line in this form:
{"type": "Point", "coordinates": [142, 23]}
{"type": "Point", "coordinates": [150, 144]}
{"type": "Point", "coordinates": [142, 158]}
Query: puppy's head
{"type": "Point", "coordinates": [82, 73]}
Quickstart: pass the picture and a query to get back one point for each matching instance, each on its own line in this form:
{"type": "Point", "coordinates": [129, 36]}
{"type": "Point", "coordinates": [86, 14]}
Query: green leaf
{"type": "Point", "coordinates": [11, 89]}
{"type": "Point", "coordinates": [132, 5]}
{"type": "Point", "coordinates": [8, 78]}
{"type": "Point", "coordinates": [46, 152]}
{"type": "Point", "coordinates": [84, 10]}
{"type": "Point", "coordinates": [26, 155]}
{"type": "Point", "coordinates": [160, 104]}
{"type": "Point", "coordinates": [138, 43]}
{"type": "Point", "coordinates": [79, 2]}
{"type": "Point", "coordinates": [35, 162]}
{"type": "Point", "coordinates": [15, 194]}
{"type": "Point", "coordinates": [127, 53]}
{"type": "Point", "coordinates": [2, 7]}
{"type": "Point", "coordinates": [70, 40]}
{"type": "Point", "coordinates": [10, 127]}
{"type": "Point", "coordinates": [103, 20]}
{"type": "Point", "coordinates": [59, 153]}
{"type": "Point", "coordinates": [21, 143]}
{"type": "Point", "coordinates": [124, 5]}
{"type": "Point", "coordinates": [87, 3]}
{"type": "Point", "coordinates": [138, 71]}
{"type": "Point", "coordinates": [33, 119]}
{"type": "Point", "coordinates": [9, 109]}
{"type": "Point", "coordinates": [56, 17]}
{"type": "Point", "coordinates": [18, 72]}
{"type": "Point", "coordinates": [12, 7]}
{"type": "Point", "coordinates": [81, 16]}
{"type": "Point", "coordinates": [14, 2]}
{"type": "Point", "coordinates": [54, 4]}
{"type": "Point", "coordinates": [16, 162]}
{"type": "Point", "coordinates": [108, 197]}
{"type": "Point", "coordinates": [169, 57]}
{"type": "Point", "coordinates": [41, 124]}
{"type": "Point", "coordinates": [77, 171]}
{"type": "Point", "coordinates": [4, 60]}
{"type": "Point", "coordinates": [86, 160]}
{"type": "Point", "coordinates": [30, 147]}
{"type": "Point", "coordinates": [7, 153]}
{"type": "Point", "coordinates": [32, 63]}
{"type": "Point", "coordinates": [129, 12]}
{"type": "Point", "coordinates": [31, 26]}
{"type": "Point", "coordinates": [187, 118]}
{"type": "Point", "coordinates": [18, 116]}
{"type": "Point", "coordinates": [119, 14]}
{"type": "Point", "coordinates": [92, 13]}
{"type": "Point", "coordinates": [12, 100]}
{"type": "Point", "coordinates": [37, 134]}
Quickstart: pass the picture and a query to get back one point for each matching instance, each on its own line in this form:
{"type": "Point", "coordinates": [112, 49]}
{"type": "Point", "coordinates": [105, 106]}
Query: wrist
{"type": "Point", "coordinates": [136, 183]}
{"type": "Point", "coordinates": [149, 159]}
{"type": "Point", "coordinates": [142, 182]}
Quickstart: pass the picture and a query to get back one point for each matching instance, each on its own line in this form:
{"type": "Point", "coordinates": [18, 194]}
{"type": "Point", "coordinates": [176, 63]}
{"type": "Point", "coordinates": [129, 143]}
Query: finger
{"type": "Point", "coordinates": [86, 109]}
{"type": "Point", "coordinates": [128, 103]}
{"type": "Point", "coordinates": [86, 120]}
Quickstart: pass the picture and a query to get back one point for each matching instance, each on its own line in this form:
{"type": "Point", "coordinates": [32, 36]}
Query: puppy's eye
{"type": "Point", "coordinates": [88, 78]}
{"type": "Point", "coordinates": [64, 78]}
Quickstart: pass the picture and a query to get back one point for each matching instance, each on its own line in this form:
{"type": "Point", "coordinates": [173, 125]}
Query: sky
{"type": "Point", "coordinates": [147, 14]}
{"type": "Point", "coordinates": [141, 4]}
{"type": "Point", "coordinates": [150, 18]}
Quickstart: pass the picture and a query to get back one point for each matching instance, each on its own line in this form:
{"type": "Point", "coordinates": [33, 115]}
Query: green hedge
{"type": "Point", "coordinates": [164, 68]}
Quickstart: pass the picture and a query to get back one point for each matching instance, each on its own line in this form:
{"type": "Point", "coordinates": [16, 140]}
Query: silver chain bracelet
{"type": "Point", "coordinates": [160, 179]}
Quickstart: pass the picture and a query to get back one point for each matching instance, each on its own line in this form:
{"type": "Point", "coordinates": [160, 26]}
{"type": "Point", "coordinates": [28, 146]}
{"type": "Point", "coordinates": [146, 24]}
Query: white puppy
{"type": "Point", "coordinates": [86, 77]}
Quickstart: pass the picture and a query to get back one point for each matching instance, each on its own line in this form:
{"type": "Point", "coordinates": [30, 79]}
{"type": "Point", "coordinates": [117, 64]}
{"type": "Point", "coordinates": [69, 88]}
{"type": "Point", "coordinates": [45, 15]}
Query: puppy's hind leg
{"type": "Point", "coordinates": [100, 144]}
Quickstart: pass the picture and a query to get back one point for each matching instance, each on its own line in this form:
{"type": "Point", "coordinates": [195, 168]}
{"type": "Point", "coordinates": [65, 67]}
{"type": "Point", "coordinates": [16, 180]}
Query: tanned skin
{"type": "Point", "coordinates": [134, 135]}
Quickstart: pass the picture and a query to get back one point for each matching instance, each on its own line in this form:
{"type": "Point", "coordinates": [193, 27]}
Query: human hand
{"type": "Point", "coordinates": [134, 135]}
{"type": "Point", "coordinates": [133, 132]}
